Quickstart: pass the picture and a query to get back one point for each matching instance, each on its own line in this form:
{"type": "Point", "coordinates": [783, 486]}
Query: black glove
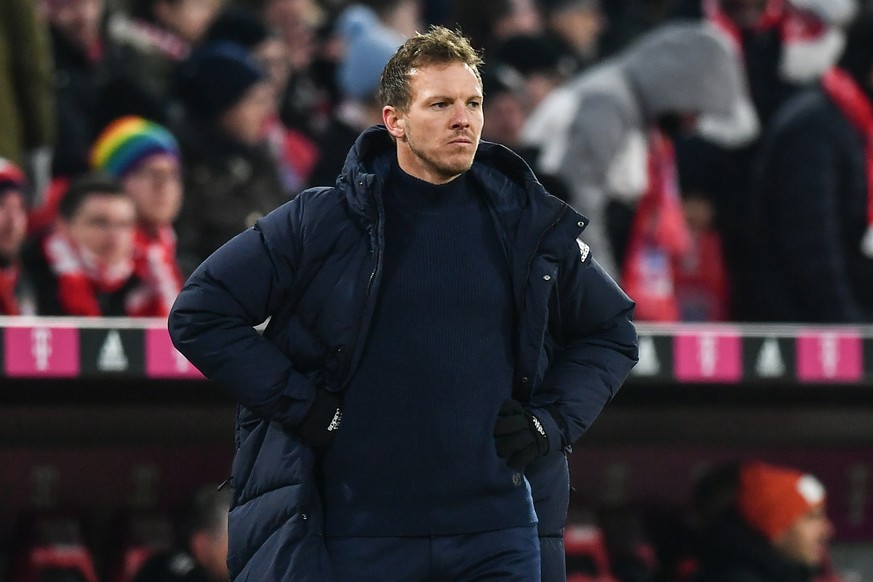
{"type": "Point", "coordinates": [519, 435]}
{"type": "Point", "coordinates": [320, 424]}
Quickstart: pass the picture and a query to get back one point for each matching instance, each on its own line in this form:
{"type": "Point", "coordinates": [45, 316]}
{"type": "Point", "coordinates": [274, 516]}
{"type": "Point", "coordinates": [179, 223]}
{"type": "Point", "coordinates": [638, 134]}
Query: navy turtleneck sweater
{"type": "Point", "coordinates": [415, 454]}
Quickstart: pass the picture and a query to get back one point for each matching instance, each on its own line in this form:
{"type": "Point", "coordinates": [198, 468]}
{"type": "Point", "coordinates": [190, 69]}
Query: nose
{"type": "Point", "coordinates": [461, 116]}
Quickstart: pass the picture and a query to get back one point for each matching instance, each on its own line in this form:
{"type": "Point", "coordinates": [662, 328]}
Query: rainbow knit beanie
{"type": "Point", "coordinates": [128, 141]}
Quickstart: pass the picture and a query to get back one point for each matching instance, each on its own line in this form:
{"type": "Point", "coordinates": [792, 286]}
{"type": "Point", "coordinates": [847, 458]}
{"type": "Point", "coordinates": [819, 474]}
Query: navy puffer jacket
{"type": "Point", "coordinates": [313, 268]}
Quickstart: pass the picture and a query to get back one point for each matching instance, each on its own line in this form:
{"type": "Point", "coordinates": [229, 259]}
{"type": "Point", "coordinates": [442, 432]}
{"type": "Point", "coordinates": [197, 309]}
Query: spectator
{"type": "Point", "coordinates": [812, 224]}
{"type": "Point", "coordinates": [27, 113]}
{"type": "Point", "coordinates": [402, 416]}
{"type": "Point", "coordinates": [310, 95]}
{"type": "Point", "coordinates": [94, 82]}
{"type": "Point", "coordinates": [785, 46]}
{"type": "Point", "coordinates": [778, 533]}
{"type": "Point", "coordinates": [85, 265]}
{"type": "Point", "coordinates": [231, 176]}
{"type": "Point", "coordinates": [159, 35]}
{"type": "Point", "coordinates": [16, 294]}
{"type": "Point", "coordinates": [200, 555]}
{"type": "Point", "coordinates": [144, 156]}
{"type": "Point", "coordinates": [607, 133]}
{"type": "Point", "coordinates": [368, 46]}
{"type": "Point", "coordinates": [542, 63]}
{"type": "Point", "coordinates": [294, 152]}
{"type": "Point", "coordinates": [505, 110]}
{"type": "Point", "coordinates": [576, 26]}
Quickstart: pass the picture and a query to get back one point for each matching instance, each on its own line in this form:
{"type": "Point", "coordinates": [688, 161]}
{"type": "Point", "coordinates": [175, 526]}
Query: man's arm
{"type": "Point", "coordinates": [212, 321]}
{"type": "Point", "coordinates": [599, 350]}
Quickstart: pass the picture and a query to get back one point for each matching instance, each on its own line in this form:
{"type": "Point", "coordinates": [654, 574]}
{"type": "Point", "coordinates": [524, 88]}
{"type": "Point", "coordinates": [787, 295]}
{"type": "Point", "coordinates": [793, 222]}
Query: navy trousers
{"type": "Point", "coordinates": [506, 555]}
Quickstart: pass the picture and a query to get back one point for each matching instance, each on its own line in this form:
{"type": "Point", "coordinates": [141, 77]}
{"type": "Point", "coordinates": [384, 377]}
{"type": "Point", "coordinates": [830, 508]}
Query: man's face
{"type": "Point", "coordinates": [13, 223]}
{"type": "Point", "coordinates": [155, 186]}
{"type": "Point", "coordinates": [437, 137]}
{"type": "Point", "coordinates": [78, 20]}
{"type": "Point", "coordinates": [744, 13]}
{"type": "Point", "coordinates": [103, 226]}
{"type": "Point", "coordinates": [806, 541]}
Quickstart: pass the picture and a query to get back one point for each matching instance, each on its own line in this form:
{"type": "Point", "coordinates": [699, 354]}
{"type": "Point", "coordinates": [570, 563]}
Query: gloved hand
{"type": "Point", "coordinates": [318, 428]}
{"type": "Point", "coordinates": [519, 435]}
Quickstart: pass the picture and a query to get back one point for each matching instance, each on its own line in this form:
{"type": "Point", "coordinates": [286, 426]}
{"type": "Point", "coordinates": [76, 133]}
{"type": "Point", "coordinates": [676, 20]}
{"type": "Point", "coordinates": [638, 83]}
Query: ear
{"type": "Point", "coordinates": [394, 122]}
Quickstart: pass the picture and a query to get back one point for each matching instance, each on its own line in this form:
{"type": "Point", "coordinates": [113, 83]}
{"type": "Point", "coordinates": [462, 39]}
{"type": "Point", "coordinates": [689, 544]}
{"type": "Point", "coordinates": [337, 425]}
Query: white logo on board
{"type": "Point", "coordinates": [112, 357]}
{"type": "Point", "coordinates": [41, 347]}
{"type": "Point", "coordinates": [769, 362]}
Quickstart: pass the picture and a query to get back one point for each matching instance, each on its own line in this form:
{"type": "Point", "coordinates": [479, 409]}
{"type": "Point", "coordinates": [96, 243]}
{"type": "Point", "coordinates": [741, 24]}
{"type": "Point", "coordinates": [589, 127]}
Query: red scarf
{"type": "Point", "coordinates": [658, 237]}
{"type": "Point", "coordinates": [80, 278]}
{"type": "Point", "coordinates": [155, 263]}
{"type": "Point", "coordinates": [794, 25]}
{"type": "Point", "coordinates": [8, 283]}
{"type": "Point", "coordinates": [855, 105]}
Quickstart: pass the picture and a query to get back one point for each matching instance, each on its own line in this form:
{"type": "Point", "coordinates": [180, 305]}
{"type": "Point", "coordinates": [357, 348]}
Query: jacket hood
{"type": "Point", "coordinates": [685, 68]}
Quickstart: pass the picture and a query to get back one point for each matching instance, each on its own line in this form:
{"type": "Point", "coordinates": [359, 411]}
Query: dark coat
{"type": "Point", "coordinates": [734, 553]}
{"type": "Point", "coordinates": [314, 266]}
{"type": "Point", "coordinates": [809, 218]}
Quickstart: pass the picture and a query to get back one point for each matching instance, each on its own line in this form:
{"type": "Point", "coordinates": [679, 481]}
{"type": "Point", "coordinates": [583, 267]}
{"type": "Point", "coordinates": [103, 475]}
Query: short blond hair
{"type": "Point", "coordinates": [437, 46]}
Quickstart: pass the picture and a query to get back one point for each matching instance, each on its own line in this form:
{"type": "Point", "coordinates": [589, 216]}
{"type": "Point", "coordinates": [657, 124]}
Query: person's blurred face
{"type": "Point", "coordinates": [13, 223]}
{"type": "Point", "coordinates": [504, 118]}
{"type": "Point", "coordinates": [272, 55]}
{"type": "Point", "coordinates": [806, 541]}
{"type": "Point", "coordinates": [581, 27]}
{"type": "Point", "coordinates": [744, 13]}
{"type": "Point", "coordinates": [77, 20]}
{"type": "Point", "coordinates": [104, 226]}
{"type": "Point", "coordinates": [438, 135]}
{"type": "Point", "coordinates": [247, 120]}
{"type": "Point", "coordinates": [187, 18]}
{"type": "Point", "coordinates": [155, 186]}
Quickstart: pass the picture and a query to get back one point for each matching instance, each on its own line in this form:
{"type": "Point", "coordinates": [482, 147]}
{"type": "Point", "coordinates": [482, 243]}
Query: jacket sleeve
{"type": "Point", "coordinates": [213, 319]}
{"type": "Point", "coordinates": [597, 349]}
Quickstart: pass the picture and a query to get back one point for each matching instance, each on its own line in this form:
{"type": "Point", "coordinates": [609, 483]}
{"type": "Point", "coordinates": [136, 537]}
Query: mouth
{"type": "Point", "coordinates": [461, 141]}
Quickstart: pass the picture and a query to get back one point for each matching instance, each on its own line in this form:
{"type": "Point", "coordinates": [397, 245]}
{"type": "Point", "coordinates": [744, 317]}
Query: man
{"type": "Point", "coordinates": [85, 265]}
{"type": "Point", "coordinates": [144, 156]}
{"type": "Point", "coordinates": [438, 338]}
{"type": "Point", "coordinates": [811, 226]}
{"type": "Point", "coordinates": [201, 552]}
{"type": "Point", "coordinates": [15, 296]}
{"type": "Point", "coordinates": [782, 530]}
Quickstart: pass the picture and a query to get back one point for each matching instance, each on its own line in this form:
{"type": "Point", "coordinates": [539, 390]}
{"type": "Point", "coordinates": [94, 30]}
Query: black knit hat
{"type": "Point", "coordinates": [215, 78]}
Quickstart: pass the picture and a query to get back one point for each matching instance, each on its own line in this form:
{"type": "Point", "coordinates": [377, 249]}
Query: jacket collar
{"type": "Point", "coordinates": [513, 190]}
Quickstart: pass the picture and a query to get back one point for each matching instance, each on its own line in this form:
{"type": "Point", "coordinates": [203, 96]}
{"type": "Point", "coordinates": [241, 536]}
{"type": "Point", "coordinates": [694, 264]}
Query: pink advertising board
{"type": "Point", "coordinates": [163, 360]}
{"type": "Point", "coordinates": [708, 356]}
{"type": "Point", "coordinates": [829, 356]}
{"type": "Point", "coordinates": [49, 352]}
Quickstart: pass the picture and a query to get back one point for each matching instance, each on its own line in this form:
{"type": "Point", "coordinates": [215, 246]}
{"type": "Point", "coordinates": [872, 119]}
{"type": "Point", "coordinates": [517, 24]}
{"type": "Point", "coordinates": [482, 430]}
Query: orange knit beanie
{"type": "Point", "coordinates": [772, 498]}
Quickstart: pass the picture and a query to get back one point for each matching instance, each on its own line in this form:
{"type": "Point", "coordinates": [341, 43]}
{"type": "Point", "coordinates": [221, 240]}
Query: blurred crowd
{"type": "Point", "coordinates": [720, 148]}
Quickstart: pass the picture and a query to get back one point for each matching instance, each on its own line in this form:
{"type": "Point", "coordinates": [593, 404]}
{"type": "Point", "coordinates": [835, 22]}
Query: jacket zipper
{"type": "Point", "coordinates": [530, 259]}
